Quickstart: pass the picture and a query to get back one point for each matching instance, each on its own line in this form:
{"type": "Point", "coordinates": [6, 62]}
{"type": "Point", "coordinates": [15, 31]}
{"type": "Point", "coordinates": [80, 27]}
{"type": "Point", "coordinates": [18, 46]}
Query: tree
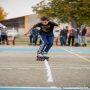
{"type": "Point", "coordinates": [65, 10]}
{"type": "Point", "coordinates": [2, 14]}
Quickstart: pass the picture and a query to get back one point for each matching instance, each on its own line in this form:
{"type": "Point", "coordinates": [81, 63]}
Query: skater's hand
{"type": "Point", "coordinates": [25, 34]}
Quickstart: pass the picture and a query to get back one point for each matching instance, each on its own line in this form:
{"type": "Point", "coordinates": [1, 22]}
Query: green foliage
{"type": "Point", "coordinates": [65, 10]}
{"type": "Point", "coordinates": [2, 14]}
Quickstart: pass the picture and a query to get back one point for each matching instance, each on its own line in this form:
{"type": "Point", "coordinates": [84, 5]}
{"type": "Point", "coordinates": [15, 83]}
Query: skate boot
{"type": "Point", "coordinates": [45, 55]}
{"type": "Point", "coordinates": [40, 57]}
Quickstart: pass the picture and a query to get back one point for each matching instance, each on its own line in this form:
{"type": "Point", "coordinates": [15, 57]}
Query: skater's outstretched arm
{"type": "Point", "coordinates": [30, 30]}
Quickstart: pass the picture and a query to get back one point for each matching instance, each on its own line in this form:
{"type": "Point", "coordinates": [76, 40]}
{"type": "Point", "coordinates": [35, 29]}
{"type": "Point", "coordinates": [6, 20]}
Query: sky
{"type": "Point", "coordinates": [16, 8]}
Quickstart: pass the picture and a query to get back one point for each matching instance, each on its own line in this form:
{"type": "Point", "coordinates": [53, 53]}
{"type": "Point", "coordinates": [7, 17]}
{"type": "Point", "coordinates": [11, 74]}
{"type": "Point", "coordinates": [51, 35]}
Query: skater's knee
{"type": "Point", "coordinates": [45, 43]}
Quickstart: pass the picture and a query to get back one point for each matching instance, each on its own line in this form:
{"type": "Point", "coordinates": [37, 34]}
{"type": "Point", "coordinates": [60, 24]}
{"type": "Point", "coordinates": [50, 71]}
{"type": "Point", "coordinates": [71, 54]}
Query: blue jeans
{"type": "Point", "coordinates": [46, 43]}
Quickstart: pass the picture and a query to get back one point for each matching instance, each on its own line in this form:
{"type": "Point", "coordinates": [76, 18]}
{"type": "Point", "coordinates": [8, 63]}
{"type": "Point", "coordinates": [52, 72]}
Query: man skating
{"type": "Point", "coordinates": [46, 35]}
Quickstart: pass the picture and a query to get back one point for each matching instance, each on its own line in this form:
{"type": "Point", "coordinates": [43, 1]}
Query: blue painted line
{"type": "Point", "coordinates": [28, 49]}
{"type": "Point", "coordinates": [80, 51]}
{"type": "Point", "coordinates": [34, 49]}
{"type": "Point", "coordinates": [31, 89]}
{"type": "Point", "coordinates": [70, 88]}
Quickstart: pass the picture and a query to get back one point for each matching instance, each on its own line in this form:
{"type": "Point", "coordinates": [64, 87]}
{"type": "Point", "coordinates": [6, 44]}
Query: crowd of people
{"type": "Point", "coordinates": [7, 35]}
{"type": "Point", "coordinates": [74, 37]}
{"type": "Point", "coordinates": [66, 37]}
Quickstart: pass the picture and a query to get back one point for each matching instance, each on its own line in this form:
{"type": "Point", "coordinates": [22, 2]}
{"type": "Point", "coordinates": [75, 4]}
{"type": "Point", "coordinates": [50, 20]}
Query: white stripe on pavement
{"type": "Point", "coordinates": [49, 73]}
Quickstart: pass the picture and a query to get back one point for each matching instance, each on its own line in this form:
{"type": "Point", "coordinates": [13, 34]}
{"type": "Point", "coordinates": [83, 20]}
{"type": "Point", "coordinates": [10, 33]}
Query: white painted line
{"type": "Point", "coordinates": [15, 68]}
{"type": "Point", "coordinates": [56, 68]}
{"type": "Point", "coordinates": [21, 67]}
{"type": "Point", "coordinates": [49, 73]}
{"type": "Point", "coordinates": [85, 59]}
{"type": "Point", "coordinates": [5, 68]}
{"type": "Point", "coordinates": [72, 68]}
{"type": "Point", "coordinates": [75, 88]}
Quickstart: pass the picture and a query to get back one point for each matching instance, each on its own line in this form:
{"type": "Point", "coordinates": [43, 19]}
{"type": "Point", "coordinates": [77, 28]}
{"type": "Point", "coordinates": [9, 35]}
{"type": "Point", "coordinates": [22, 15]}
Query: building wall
{"type": "Point", "coordinates": [26, 23]}
{"type": "Point", "coordinates": [21, 24]}
{"type": "Point", "coordinates": [30, 20]}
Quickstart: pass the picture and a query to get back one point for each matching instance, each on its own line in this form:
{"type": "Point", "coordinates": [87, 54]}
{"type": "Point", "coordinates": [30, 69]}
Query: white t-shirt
{"type": "Point", "coordinates": [2, 29]}
{"type": "Point", "coordinates": [2, 26]}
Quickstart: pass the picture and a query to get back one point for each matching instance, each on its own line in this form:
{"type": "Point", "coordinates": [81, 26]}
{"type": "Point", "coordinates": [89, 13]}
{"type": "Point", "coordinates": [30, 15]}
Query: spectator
{"type": "Point", "coordinates": [56, 36]}
{"type": "Point", "coordinates": [77, 37]}
{"type": "Point", "coordinates": [83, 35]}
{"type": "Point", "coordinates": [71, 36]}
{"type": "Point", "coordinates": [12, 35]}
{"type": "Point", "coordinates": [31, 39]}
{"type": "Point", "coordinates": [33, 36]}
{"type": "Point", "coordinates": [63, 36]}
{"type": "Point", "coordinates": [66, 33]}
{"type": "Point", "coordinates": [4, 34]}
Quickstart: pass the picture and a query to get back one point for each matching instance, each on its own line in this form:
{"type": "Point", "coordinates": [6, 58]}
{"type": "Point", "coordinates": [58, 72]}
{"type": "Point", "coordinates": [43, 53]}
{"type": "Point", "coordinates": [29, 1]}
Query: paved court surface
{"type": "Point", "coordinates": [67, 67]}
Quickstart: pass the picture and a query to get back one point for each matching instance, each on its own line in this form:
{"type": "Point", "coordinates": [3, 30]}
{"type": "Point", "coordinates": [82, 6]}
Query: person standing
{"type": "Point", "coordinates": [4, 34]}
{"type": "Point", "coordinates": [71, 36]}
{"type": "Point", "coordinates": [77, 37]}
{"type": "Point", "coordinates": [33, 36]}
{"type": "Point", "coordinates": [83, 35]}
{"type": "Point", "coordinates": [63, 36]}
{"type": "Point", "coordinates": [56, 36]}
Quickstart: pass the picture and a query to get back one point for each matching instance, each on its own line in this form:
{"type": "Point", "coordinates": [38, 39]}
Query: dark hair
{"type": "Point", "coordinates": [44, 18]}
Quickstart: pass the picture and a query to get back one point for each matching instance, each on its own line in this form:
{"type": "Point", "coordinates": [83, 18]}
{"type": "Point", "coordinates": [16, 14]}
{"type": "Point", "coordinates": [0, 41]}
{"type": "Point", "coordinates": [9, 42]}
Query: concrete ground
{"type": "Point", "coordinates": [67, 67]}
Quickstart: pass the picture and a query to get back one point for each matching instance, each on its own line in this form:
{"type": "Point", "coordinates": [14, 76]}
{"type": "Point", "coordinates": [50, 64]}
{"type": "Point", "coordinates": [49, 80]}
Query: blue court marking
{"type": "Point", "coordinates": [80, 51]}
{"type": "Point", "coordinates": [34, 49]}
{"type": "Point", "coordinates": [31, 89]}
{"type": "Point", "coordinates": [70, 88]}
